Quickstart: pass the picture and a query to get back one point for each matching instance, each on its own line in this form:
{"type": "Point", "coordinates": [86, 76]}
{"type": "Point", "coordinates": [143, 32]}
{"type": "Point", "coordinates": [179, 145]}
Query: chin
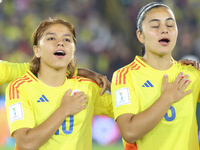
{"type": "Point", "coordinates": [60, 67]}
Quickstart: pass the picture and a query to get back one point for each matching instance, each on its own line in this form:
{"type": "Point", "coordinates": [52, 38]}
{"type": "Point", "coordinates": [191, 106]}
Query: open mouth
{"type": "Point", "coordinates": [60, 53]}
{"type": "Point", "coordinates": [164, 40]}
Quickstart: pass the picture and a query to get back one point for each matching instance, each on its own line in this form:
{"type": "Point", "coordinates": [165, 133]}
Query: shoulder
{"type": "Point", "coordinates": [28, 78]}
{"type": "Point", "coordinates": [135, 65]}
{"type": "Point", "coordinates": [185, 67]}
{"type": "Point", "coordinates": [121, 74]}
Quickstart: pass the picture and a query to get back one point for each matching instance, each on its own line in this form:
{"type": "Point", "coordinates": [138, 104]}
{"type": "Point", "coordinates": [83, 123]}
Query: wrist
{"type": "Point", "coordinates": [167, 98]}
{"type": "Point", "coordinates": [63, 111]}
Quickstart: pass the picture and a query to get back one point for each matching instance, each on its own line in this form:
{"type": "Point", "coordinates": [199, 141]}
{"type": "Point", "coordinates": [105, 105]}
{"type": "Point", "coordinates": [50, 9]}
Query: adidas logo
{"type": "Point", "coordinates": [43, 99]}
{"type": "Point", "coordinates": [147, 84]}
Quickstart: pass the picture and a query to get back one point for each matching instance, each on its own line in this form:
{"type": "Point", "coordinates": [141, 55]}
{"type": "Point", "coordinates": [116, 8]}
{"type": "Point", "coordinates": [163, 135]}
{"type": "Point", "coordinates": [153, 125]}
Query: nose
{"type": "Point", "coordinates": [164, 29]}
{"type": "Point", "coordinates": [60, 43]}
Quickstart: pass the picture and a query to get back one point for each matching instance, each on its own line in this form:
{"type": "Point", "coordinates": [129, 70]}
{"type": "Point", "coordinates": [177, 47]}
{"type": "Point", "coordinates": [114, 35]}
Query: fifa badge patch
{"type": "Point", "coordinates": [122, 97]}
{"type": "Point", "coordinates": [16, 112]}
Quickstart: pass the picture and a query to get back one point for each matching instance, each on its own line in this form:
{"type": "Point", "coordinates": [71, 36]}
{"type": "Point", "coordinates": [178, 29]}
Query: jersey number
{"type": "Point", "coordinates": [64, 126]}
{"type": "Point", "coordinates": [173, 116]}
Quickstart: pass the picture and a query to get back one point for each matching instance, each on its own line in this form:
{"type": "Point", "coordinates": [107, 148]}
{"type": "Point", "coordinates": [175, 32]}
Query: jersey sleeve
{"type": "Point", "coordinates": [11, 71]}
{"type": "Point", "coordinates": [123, 93]}
{"type": "Point", "coordinates": [19, 111]}
{"type": "Point", "coordinates": [198, 72]}
{"type": "Point", "coordinates": [102, 104]}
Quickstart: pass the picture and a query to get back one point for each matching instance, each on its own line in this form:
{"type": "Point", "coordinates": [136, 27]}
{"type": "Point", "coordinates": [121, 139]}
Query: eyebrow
{"type": "Point", "coordinates": [55, 34]}
{"type": "Point", "coordinates": [159, 20]}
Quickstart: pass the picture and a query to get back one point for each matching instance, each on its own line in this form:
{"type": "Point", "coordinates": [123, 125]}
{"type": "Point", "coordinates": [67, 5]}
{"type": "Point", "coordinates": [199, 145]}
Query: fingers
{"type": "Point", "coordinates": [191, 62]}
{"type": "Point", "coordinates": [185, 84]}
{"type": "Point", "coordinates": [80, 95]}
{"type": "Point", "coordinates": [183, 79]}
{"type": "Point", "coordinates": [109, 85]}
{"type": "Point", "coordinates": [105, 86]}
{"type": "Point", "coordinates": [84, 100]}
{"type": "Point", "coordinates": [195, 64]}
{"type": "Point", "coordinates": [179, 77]}
{"type": "Point", "coordinates": [67, 93]}
{"type": "Point", "coordinates": [98, 80]}
{"type": "Point", "coordinates": [83, 103]}
{"type": "Point", "coordinates": [185, 61]}
{"type": "Point", "coordinates": [165, 79]}
{"type": "Point", "coordinates": [105, 83]}
{"type": "Point", "coordinates": [187, 92]}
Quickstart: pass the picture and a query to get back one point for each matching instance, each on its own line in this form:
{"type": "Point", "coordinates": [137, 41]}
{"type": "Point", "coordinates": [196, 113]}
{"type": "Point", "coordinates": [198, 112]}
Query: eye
{"type": "Point", "coordinates": [170, 23]}
{"type": "Point", "coordinates": [66, 40]}
{"type": "Point", "coordinates": [155, 26]}
{"type": "Point", "coordinates": [51, 39]}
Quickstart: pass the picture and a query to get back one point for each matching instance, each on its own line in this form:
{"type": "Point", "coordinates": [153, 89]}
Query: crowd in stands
{"type": "Point", "coordinates": [106, 38]}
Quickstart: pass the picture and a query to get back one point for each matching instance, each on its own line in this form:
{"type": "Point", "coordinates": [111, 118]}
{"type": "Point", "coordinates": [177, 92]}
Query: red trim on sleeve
{"type": "Point", "coordinates": [117, 77]}
{"type": "Point", "coordinates": [13, 89]}
{"type": "Point", "coordinates": [120, 76]}
{"type": "Point", "coordinates": [124, 76]}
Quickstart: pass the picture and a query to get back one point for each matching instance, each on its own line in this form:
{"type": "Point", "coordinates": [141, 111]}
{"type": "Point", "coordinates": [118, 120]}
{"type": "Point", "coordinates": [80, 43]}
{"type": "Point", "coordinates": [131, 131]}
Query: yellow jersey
{"type": "Point", "coordinates": [137, 86]}
{"type": "Point", "coordinates": [29, 102]}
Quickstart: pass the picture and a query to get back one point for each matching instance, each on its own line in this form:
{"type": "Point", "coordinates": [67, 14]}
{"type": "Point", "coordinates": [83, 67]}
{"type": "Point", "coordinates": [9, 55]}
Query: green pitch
{"type": "Point", "coordinates": [95, 146]}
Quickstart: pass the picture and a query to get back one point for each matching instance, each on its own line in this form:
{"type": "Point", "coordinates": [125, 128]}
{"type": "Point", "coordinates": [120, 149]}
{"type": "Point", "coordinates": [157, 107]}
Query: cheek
{"type": "Point", "coordinates": [174, 35]}
{"type": "Point", "coordinates": [72, 49]}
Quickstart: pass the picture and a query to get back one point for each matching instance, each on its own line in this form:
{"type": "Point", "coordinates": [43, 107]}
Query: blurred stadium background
{"type": "Point", "coordinates": [106, 41]}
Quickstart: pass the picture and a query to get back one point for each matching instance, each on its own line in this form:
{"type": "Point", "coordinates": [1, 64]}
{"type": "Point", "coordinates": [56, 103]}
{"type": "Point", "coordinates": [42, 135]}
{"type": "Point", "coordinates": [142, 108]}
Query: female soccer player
{"type": "Point", "coordinates": [155, 97]}
{"type": "Point", "coordinates": [45, 109]}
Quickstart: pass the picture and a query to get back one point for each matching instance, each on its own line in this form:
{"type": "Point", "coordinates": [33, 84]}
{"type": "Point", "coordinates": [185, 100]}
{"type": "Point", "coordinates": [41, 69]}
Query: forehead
{"type": "Point", "coordinates": [159, 13]}
{"type": "Point", "coordinates": [57, 29]}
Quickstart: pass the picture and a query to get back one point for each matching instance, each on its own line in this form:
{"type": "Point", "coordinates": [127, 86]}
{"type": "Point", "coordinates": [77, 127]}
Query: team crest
{"type": "Point", "coordinates": [74, 92]}
{"type": "Point", "coordinates": [122, 97]}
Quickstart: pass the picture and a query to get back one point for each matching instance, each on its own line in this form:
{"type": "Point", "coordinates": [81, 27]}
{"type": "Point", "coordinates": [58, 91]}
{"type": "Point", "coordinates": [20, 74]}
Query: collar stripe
{"type": "Point", "coordinates": [32, 76]}
{"type": "Point", "coordinates": [140, 62]}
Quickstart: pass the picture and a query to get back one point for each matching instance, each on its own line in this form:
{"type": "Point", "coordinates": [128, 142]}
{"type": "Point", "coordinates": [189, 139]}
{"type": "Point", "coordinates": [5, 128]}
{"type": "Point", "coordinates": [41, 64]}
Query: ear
{"type": "Point", "coordinates": [140, 36]}
{"type": "Point", "coordinates": [36, 51]}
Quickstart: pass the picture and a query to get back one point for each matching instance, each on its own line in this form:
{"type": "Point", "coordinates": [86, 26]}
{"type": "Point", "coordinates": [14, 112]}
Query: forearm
{"type": "Point", "coordinates": [140, 124]}
{"type": "Point", "coordinates": [36, 137]}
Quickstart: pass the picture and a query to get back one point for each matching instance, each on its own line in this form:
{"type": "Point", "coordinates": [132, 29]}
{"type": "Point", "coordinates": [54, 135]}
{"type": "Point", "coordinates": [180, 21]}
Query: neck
{"type": "Point", "coordinates": [52, 77]}
{"type": "Point", "coordinates": [158, 62]}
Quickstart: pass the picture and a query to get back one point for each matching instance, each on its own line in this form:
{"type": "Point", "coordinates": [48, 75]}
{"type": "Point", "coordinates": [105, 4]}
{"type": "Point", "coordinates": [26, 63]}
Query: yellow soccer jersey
{"type": "Point", "coordinates": [11, 71]}
{"type": "Point", "coordinates": [137, 86]}
{"type": "Point", "coordinates": [29, 102]}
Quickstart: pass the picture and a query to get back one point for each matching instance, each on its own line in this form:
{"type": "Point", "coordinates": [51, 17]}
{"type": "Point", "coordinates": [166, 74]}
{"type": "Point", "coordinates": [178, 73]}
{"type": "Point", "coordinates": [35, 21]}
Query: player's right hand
{"type": "Point", "coordinates": [175, 90]}
{"type": "Point", "coordinates": [73, 104]}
